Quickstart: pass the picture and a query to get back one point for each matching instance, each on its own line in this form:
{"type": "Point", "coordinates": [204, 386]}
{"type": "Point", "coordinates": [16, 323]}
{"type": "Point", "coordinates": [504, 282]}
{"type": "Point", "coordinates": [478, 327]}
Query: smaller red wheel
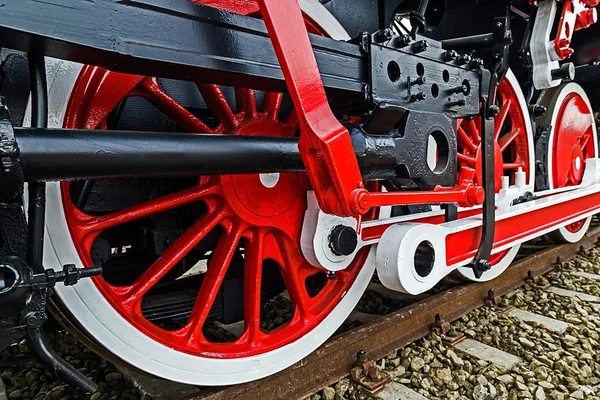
{"type": "Point", "coordinates": [513, 150]}
{"type": "Point", "coordinates": [572, 140]}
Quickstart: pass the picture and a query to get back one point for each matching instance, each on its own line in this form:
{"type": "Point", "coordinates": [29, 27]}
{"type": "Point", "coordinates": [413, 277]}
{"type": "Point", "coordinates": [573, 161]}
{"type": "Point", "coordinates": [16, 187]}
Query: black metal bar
{"type": "Point", "coordinates": [37, 190]}
{"type": "Point", "coordinates": [469, 42]}
{"type": "Point", "coordinates": [73, 154]}
{"type": "Point", "coordinates": [169, 38]}
{"type": "Point", "coordinates": [64, 154]}
{"type": "Point", "coordinates": [38, 345]}
{"type": "Point", "coordinates": [35, 234]}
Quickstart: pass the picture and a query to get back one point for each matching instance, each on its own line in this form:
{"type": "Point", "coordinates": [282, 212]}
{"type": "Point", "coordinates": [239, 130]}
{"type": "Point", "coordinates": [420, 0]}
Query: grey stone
{"type": "Point", "coordinates": [491, 354]}
{"type": "Point", "coordinates": [456, 360]}
{"type": "Point", "coordinates": [3, 395]}
{"type": "Point", "coordinates": [395, 391]}
{"type": "Point", "coordinates": [540, 394]}
{"type": "Point", "coordinates": [417, 364]}
{"type": "Point", "coordinates": [328, 393]}
{"type": "Point", "coordinates": [480, 392]}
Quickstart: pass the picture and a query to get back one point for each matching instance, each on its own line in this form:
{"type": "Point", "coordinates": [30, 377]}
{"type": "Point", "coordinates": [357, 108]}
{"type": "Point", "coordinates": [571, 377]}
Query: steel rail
{"type": "Point", "coordinates": [335, 358]}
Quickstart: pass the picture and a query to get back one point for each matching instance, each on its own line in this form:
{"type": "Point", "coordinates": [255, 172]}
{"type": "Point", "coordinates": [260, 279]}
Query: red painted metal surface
{"type": "Point", "coordinates": [466, 195]}
{"type": "Point", "coordinates": [511, 143]}
{"type": "Point", "coordinates": [463, 245]}
{"type": "Point", "coordinates": [576, 15]}
{"type": "Point", "coordinates": [325, 144]}
{"type": "Point", "coordinates": [246, 7]}
{"type": "Point", "coordinates": [572, 145]}
{"type": "Point", "coordinates": [265, 221]}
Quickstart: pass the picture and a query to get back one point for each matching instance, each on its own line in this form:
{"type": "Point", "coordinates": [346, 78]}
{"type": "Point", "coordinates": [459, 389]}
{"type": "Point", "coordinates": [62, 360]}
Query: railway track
{"type": "Point", "coordinates": [378, 338]}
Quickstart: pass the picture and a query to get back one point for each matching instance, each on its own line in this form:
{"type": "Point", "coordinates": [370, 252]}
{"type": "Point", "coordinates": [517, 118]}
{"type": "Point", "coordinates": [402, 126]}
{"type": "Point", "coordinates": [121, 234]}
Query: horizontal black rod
{"type": "Point", "coordinates": [469, 42]}
{"type": "Point", "coordinates": [77, 154]}
{"type": "Point", "coordinates": [69, 154]}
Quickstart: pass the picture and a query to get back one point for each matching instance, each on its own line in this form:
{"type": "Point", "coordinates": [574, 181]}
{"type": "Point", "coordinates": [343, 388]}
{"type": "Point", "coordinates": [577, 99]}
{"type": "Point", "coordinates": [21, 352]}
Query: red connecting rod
{"type": "Point", "coordinates": [325, 145]}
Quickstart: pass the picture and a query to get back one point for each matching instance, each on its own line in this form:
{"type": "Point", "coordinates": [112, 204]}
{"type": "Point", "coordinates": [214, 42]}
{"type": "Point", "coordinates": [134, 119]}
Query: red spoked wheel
{"type": "Point", "coordinates": [513, 151]}
{"type": "Point", "coordinates": [572, 140]}
{"type": "Point", "coordinates": [234, 237]}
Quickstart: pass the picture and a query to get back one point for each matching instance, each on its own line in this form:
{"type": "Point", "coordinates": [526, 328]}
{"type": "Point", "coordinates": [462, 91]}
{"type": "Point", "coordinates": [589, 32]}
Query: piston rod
{"type": "Point", "coordinates": [68, 154]}
{"type": "Point", "coordinates": [72, 154]}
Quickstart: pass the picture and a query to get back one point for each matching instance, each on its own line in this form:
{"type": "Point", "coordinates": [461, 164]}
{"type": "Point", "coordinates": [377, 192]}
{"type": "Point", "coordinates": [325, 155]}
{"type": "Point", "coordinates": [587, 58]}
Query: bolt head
{"type": "Point", "coordinates": [494, 110]}
{"type": "Point", "coordinates": [343, 240]}
{"type": "Point", "coordinates": [483, 265]}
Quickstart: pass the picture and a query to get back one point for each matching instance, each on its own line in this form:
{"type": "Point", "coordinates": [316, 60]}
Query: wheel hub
{"type": "Point", "coordinates": [577, 163]}
{"type": "Point", "coordinates": [257, 198]}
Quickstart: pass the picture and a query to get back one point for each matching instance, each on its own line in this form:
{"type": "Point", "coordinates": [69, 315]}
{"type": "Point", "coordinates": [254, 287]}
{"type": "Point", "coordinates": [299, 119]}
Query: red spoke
{"type": "Point", "coordinates": [465, 140]}
{"type": "Point", "coordinates": [466, 159]}
{"type": "Point", "coordinates": [217, 104]}
{"type": "Point", "coordinates": [292, 263]}
{"type": "Point", "coordinates": [514, 165]}
{"type": "Point", "coordinates": [179, 114]}
{"type": "Point", "coordinates": [501, 118]}
{"type": "Point", "coordinates": [252, 281]}
{"type": "Point", "coordinates": [217, 268]}
{"type": "Point", "coordinates": [272, 104]}
{"type": "Point", "coordinates": [473, 131]}
{"type": "Point", "coordinates": [507, 139]}
{"type": "Point", "coordinates": [174, 253]}
{"type": "Point", "coordinates": [148, 208]}
{"type": "Point", "coordinates": [246, 102]}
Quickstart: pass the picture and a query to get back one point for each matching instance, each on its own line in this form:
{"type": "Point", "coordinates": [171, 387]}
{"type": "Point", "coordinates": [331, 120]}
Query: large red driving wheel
{"type": "Point", "coordinates": [572, 140]}
{"type": "Point", "coordinates": [513, 151]}
{"type": "Point", "coordinates": [250, 221]}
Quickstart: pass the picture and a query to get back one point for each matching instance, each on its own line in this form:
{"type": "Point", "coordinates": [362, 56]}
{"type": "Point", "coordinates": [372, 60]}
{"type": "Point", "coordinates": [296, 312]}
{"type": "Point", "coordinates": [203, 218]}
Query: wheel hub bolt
{"type": "Point", "coordinates": [343, 240]}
